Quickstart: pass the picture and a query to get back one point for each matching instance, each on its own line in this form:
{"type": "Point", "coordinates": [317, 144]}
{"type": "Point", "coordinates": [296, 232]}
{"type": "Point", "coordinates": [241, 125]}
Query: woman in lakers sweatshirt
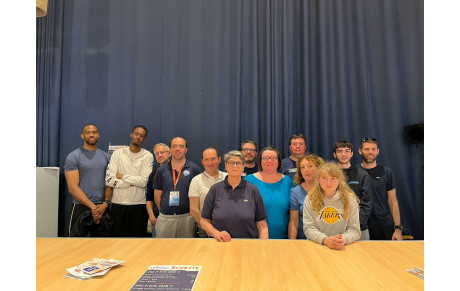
{"type": "Point", "coordinates": [331, 209]}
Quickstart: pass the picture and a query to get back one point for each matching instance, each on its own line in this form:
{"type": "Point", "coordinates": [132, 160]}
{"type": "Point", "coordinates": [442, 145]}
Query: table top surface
{"type": "Point", "coordinates": [237, 265]}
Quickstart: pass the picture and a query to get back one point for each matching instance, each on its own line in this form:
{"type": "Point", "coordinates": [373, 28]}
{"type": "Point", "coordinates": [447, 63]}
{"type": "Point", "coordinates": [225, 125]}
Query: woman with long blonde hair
{"type": "Point", "coordinates": [331, 209]}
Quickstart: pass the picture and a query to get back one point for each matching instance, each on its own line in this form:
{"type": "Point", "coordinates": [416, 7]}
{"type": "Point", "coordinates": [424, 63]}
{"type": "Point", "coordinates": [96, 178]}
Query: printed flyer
{"type": "Point", "coordinates": [168, 277]}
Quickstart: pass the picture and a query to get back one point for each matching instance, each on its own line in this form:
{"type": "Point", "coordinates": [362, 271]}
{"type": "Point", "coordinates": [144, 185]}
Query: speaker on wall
{"type": "Point", "coordinates": [414, 133]}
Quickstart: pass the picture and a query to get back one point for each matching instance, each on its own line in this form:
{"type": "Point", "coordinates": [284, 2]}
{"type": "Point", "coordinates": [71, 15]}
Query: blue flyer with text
{"type": "Point", "coordinates": [168, 277]}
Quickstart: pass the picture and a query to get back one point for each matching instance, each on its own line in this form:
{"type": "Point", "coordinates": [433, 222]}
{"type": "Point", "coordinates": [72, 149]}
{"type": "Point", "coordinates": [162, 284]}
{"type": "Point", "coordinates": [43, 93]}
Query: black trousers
{"type": "Point", "coordinates": [381, 232]}
{"type": "Point", "coordinates": [76, 210]}
{"type": "Point", "coordinates": [129, 220]}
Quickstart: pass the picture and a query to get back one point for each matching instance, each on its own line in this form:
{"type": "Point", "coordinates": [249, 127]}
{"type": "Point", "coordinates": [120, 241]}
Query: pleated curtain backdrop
{"type": "Point", "coordinates": [218, 72]}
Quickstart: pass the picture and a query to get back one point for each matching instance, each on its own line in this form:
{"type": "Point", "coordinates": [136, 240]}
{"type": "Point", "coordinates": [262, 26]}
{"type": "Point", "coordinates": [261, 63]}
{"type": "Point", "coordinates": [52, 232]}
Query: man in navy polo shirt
{"type": "Point", "coordinates": [171, 186]}
{"type": "Point", "coordinates": [297, 146]}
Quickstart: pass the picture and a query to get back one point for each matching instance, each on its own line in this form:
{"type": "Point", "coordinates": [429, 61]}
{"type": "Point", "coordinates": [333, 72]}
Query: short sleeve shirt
{"type": "Point", "coordinates": [298, 195]}
{"type": "Point", "coordinates": [164, 181]}
{"type": "Point", "coordinates": [288, 167]}
{"type": "Point", "coordinates": [236, 211]}
{"type": "Point", "coordinates": [382, 180]}
{"type": "Point", "coordinates": [91, 166]}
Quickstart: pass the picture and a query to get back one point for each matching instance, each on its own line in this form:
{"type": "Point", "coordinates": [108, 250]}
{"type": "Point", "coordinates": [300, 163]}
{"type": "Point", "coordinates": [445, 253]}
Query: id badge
{"type": "Point", "coordinates": [174, 198]}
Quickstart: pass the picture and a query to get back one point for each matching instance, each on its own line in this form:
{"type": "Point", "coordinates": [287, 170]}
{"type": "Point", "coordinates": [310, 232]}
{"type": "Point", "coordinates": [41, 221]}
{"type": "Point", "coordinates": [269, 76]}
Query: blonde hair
{"type": "Point", "coordinates": [312, 158]}
{"type": "Point", "coordinates": [316, 194]}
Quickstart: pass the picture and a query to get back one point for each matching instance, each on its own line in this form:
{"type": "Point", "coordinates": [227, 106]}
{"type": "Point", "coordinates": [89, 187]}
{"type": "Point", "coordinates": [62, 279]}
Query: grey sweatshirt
{"type": "Point", "coordinates": [330, 220]}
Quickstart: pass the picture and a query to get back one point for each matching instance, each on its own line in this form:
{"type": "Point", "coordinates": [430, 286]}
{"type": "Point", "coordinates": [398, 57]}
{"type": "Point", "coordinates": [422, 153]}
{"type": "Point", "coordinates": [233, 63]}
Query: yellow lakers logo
{"type": "Point", "coordinates": [330, 215]}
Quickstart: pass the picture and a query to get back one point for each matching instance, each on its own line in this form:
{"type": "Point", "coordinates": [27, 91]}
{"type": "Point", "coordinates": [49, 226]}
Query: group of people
{"type": "Point", "coordinates": [260, 195]}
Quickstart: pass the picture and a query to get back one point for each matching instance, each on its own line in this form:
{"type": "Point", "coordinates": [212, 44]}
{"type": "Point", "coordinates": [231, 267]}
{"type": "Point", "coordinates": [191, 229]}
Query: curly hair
{"type": "Point", "coordinates": [316, 194]}
{"type": "Point", "coordinates": [312, 158]}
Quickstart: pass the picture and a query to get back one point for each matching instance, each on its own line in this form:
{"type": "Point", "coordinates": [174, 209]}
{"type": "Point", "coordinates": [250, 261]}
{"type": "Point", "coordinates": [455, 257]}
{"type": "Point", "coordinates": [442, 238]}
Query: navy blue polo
{"type": "Point", "coordinates": [164, 181]}
{"type": "Point", "coordinates": [235, 211]}
{"type": "Point", "coordinates": [288, 167]}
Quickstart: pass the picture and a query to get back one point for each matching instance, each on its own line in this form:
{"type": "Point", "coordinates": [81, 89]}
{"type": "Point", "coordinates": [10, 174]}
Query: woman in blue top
{"type": "Point", "coordinates": [305, 180]}
{"type": "Point", "coordinates": [275, 189]}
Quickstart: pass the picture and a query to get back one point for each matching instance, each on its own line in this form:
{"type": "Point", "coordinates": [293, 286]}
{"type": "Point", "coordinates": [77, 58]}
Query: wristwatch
{"type": "Point", "coordinates": [398, 227]}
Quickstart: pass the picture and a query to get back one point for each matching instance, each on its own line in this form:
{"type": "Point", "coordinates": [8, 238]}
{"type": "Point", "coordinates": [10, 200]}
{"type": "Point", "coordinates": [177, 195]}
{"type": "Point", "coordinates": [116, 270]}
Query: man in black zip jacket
{"type": "Point", "coordinates": [359, 182]}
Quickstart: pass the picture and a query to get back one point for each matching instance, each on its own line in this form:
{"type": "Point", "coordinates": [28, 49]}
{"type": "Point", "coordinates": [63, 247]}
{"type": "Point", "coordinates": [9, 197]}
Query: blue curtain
{"type": "Point", "coordinates": [217, 72]}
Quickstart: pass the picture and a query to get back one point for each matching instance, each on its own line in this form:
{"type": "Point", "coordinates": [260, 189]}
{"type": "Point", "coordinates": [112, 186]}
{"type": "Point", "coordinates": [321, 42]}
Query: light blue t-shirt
{"type": "Point", "coordinates": [277, 203]}
{"type": "Point", "coordinates": [298, 195]}
{"type": "Point", "coordinates": [91, 166]}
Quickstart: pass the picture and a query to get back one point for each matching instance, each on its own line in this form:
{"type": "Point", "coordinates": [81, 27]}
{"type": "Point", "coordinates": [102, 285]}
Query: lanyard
{"type": "Point", "coordinates": [178, 176]}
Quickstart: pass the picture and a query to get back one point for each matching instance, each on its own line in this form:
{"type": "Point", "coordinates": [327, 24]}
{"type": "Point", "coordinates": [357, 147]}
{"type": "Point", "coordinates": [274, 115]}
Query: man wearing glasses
{"type": "Point", "coordinates": [384, 221]}
{"type": "Point", "coordinates": [249, 150]}
{"type": "Point", "coordinates": [297, 146]}
{"type": "Point", "coordinates": [171, 187]}
{"type": "Point", "coordinates": [199, 187]}
{"type": "Point", "coordinates": [162, 153]}
{"type": "Point", "coordinates": [358, 180]}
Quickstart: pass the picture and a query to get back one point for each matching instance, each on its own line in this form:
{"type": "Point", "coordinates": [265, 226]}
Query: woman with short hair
{"type": "Point", "coordinates": [234, 208]}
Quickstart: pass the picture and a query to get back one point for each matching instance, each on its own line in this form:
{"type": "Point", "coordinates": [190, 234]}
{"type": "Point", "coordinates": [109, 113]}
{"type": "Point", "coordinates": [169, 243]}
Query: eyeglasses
{"type": "Point", "coordinates": [161, 153]}
{"type": "Point", "coordinates": [235, 164]}
{"type": "Point", "coordinates": [368, 138]}
{"type": "Point", "coordinates": [272, 159]}
{"type": "Point", "coordinates": [248, 150]}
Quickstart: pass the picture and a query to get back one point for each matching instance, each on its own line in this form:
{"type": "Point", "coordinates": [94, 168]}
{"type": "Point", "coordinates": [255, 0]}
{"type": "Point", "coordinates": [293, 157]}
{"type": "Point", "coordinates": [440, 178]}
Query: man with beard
{"type": "Point", "coordinates": [297, 146]}
{"type": "Point", "coordinates": [359, 182]}
{"type": "Point", "coordinates": [171, 186]}
{"type": "Point", "coordinates": [199, 187]}
{"type": "Point", "coordinates": [127, 173]}
{"type": "Point", "coordinates": [384, 221]}
{"type": "Point", "coordinates": [249, 150]}
{"type": "Point", "coordinates": [84, 171]}
{"type": "Point", "coordinates": [163, 153]}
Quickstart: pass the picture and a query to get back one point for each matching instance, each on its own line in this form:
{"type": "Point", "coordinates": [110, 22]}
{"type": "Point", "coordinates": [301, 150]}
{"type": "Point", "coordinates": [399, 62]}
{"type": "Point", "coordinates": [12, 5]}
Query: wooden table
{"type": "Point", "coordinates": [237, 265]}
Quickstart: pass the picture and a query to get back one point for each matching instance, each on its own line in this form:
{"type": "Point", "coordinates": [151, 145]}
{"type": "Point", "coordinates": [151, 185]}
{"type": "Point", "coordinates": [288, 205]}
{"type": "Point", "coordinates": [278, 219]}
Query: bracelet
{"type": "Point", "coordinates": [107, 201]}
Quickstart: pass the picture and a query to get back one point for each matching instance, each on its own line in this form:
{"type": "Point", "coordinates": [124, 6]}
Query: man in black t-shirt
{"type": "Point", "coordinates": [249, 150]}
{"type": "Point", "coordinates": [384, 221]}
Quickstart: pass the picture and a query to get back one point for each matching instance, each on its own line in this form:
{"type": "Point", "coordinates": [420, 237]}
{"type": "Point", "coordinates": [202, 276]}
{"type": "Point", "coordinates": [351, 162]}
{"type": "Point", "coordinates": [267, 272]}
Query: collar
{"type": "Point", "coordinates": [221, 174]}
{"type": "Point", "coordinates": [186, 165]}
{"type": "Point", "coordinates": [241, 185]}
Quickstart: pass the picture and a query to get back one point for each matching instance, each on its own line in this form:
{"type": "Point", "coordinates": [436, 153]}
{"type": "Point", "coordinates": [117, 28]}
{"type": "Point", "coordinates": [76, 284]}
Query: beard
{"type": "Point", "coordinates": [91, 142]}
{"type": "Point", "coordinates": [249, 160]}
{"type": "Point", "coordinates": [369, 159]}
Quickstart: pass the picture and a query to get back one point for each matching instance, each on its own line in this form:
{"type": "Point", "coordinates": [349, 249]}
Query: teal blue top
{"type": "Point", "coordinates": [277, 202]}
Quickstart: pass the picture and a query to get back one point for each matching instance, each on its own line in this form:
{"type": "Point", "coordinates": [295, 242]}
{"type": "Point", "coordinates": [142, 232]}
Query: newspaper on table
{"type": "Point", "coordinates": [419, 272]}
{"type": "Point", "coordinates": [168, 277]}
{"type": "Point", "coordinates": [95, 267]}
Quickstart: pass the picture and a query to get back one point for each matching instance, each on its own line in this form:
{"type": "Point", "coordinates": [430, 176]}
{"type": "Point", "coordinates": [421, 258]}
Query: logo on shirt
{"type": "Point", "coordinates": [186, 173]}
{"type": "Point", "coordinates": [293, 170]}
{"type": "Point", "coordinates": [353, 182]}
{"type": "Point", "coordinates": [330, 215]}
